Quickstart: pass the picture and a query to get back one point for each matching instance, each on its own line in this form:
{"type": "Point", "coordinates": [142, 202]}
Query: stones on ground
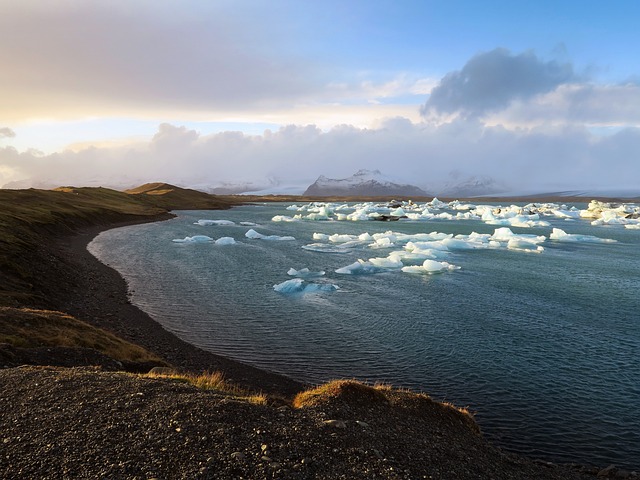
{"type": "Point", "coordinates": [335, 423]}
{"type": "Point", "coordinates": [239, 456]}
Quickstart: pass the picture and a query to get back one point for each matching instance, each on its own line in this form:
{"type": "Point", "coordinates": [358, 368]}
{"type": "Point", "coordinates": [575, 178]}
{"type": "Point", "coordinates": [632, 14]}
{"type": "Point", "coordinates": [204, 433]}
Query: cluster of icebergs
{"type": "Point", "coordinates": [531, 215]}
{"type": "Point", "coordinates": [426, 253]}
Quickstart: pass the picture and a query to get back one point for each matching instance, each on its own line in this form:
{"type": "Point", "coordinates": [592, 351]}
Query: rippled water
{"type": "Point", "coordinates": [544, 348]}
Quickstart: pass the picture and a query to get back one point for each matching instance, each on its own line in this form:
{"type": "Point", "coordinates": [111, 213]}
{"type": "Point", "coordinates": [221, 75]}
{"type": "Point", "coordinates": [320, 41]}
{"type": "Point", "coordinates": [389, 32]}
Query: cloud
{"type": "Point", "coordinates": [588, 104]}
{"type": "Point", "coordinates": [423, 154]}
{"type": "Point", "coordinates": [6, 132]}
{"type": "Point", "coordinates": [81, 56]}
{"type": "Point", "coordinates": [491, 81]}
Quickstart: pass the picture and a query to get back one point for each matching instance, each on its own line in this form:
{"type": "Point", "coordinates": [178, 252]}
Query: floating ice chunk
{"type": "Point", "coordinates": [324, 248]}
{"type": "Point", "coordinates": [567, 214]}
{"type": "Point", "coordinates": [259, 236]}
{"type": "Point", "coordinates": [225, 241]}
{"type": "Point", "coordinates": [297, 285]}
{"type": "Point", "coordinates": [633, 226]}
{"type": "Point", "coordinates": [435, 203]}
{"type": "Point", "coordinates": [561, 236]}
{"type": "Point", "coordinates": [398, 212]}
{"type": "Point", "coordinates": [386, 262]}
{"type": "Point", "coordinates": [337, 238]}
{"type": "Point", "coordinates": [208, 223]}
{"type": "Point", "coordinates": [249, 224]}
{"type": "Point", "coordinates": [194, 239]}
{"type": "Point", "coordinates": [359, 268]}
{"type": "Point", "coordinates": [284, 218]}
{"type": "Point", "coordinates": [430, 267]}
{"type": "Point", "coordinates": [304, 273]}
{"type": "Point", "coordinates": [524, 245]}
{"type": "Point", "coordinates": [522, 242]}
{"type": "Point", "coordinates": [505, 234]}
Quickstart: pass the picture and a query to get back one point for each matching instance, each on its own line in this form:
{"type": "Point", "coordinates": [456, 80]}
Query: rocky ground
{"type": "Point", "coordinates": [61, 423]}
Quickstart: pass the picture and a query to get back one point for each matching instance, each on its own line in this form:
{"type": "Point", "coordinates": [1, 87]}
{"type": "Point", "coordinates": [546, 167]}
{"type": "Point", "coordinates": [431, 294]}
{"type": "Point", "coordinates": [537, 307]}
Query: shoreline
{"type": "Point", "coordinates": [102, 300]}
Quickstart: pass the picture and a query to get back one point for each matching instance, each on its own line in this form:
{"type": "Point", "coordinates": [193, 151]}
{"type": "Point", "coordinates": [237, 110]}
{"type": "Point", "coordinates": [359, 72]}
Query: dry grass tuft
{"type": "Point", "coordinates": [213, 381]}
{"type": "Point", "coordinates": [29, 328]}
{"type": "Point", "coordinates": [350, 391]}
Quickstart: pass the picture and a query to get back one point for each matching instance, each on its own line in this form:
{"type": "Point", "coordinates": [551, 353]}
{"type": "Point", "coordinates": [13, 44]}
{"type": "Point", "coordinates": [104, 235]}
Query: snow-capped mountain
{"type": "Point", "coordinates": [473, 187]}
{"type": "Point", "coordinates": [362, 183]}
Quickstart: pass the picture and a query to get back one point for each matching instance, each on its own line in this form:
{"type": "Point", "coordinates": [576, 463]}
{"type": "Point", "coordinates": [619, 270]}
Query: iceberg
{"type": "Point", "coordinates": [194, 239]}
{"type": "Point", "coordinates": [225, 241]}
{"type": "Point", "coordinates": [284, 218]}
{"type": "Point", "coordinates": [304, 273]}
{"type": "Point", "coordinates": [359, 267]}
{"type": "Point", "coordinates": [324, 248]}
{"type": "Point", "coordinates": [561, 236]}
{"type": "Point", "coordinates": [208, 223]}
{"type": "Point", "coordinates": [297, 285]}
{"type": "Point", "coordinates": [430, 267]}
{"type": "Point", "coordinates": [259, 236]}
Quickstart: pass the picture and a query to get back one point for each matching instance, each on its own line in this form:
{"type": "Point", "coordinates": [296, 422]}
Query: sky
{"type": "Point", "coordinates": [268, 95]}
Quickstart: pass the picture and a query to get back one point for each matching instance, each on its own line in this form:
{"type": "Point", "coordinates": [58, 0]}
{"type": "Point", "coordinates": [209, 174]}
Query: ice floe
{"type": "Point", "coordinates": [208, 223]}
{"type": "Point", "coordinates": [298, 285]}
{"type": "Point", "coordinates": [360, 267]}
{"type": "Point", "coordinates": [305, 273]}
{"type": "Point", "coordinates": [225, 241]}
{"type": "Point", "coordinates": [194, 239]}
{"type": "Point", "coordinates": [259, 236]}
{"type": "Point", "coordinates": [430, 267]}
{"type": "Point", "coordinates": [561, 236]}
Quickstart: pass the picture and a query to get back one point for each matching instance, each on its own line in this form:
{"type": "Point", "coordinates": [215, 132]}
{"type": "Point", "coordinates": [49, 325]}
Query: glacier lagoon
{"type": "Point", "coordinates": [539, 337]}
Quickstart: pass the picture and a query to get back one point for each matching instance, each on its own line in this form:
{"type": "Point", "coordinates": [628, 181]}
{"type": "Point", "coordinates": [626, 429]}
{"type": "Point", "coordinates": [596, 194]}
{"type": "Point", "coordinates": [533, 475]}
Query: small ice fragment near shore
{"type": "Point", "coordinates": [560, 235]}
{"type": "Point", "coordinates": [297, 285]}
{"type": "Point", "coordinates": [304, 273]}
{"type": "Point", "coordinates": [208, 223]}
{"type": "Point", "coordinates": [194, 239]}
{"type": "Point", "coordinates": [225, 241]}
{"type": "Point", "coordinates": [259, 236]}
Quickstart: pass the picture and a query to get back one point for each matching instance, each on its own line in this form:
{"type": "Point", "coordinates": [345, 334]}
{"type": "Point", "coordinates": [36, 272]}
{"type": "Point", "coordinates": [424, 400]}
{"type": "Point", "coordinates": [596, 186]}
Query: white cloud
{"type": "Point", "coordinates": [6, 132]}
{"type": "Point", "coordinates": [418, 153]}
{"type": "Point", "coordinates": [490, 81]}
{"type": "Point", "coordinates": [588, 104]}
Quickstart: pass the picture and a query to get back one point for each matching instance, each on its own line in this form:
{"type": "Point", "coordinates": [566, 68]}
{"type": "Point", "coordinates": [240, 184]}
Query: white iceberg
{"type": "Point", "coordinates": [430, 267]}
{"type": "Point", "coordinates": [305, 273]}
{"type": "Point", "coordinates": [259, 236]}
{"type": "Point", "coordinates": [561, 236]}
{"type": "Point", "coordinates": [359, 267]}
{"type": "Point", "coordinates": [297, 285]}
{"type": "Point", "coordinates": [225, 241]}
{"type": "Point", "coordinates": [194, 239]}
{"type": "Point", "coordinates": [208, 223]}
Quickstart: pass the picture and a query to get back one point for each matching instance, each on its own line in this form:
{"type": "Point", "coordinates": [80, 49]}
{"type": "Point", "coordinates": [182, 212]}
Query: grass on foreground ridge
{"type": "Point", "coordinates": [354, 392]}
{"type": "Point", "coordinates": [211, 381]}
{"type": "Point", "coordinates": [29, 328]}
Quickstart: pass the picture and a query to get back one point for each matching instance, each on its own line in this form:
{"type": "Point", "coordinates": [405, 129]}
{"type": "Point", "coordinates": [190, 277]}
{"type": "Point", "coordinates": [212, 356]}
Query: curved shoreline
{"type": "Point", "coordinates": [101, 299]}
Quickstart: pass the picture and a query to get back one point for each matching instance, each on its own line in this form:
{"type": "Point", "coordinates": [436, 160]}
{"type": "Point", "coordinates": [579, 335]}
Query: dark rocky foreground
{"type": "Point", "coordinates": [61, 423]}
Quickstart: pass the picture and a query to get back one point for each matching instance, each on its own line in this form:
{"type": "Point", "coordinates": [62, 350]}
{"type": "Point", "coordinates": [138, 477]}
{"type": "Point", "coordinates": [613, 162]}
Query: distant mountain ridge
{"type": "Point", "coordinates": [363, 183]}
{"type": "Point", "coordinates": [473, 187]}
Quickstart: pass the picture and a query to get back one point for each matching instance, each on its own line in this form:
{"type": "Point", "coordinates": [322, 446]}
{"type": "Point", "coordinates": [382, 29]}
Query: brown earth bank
{"type": "Point", "coordinates": [60, 308]}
